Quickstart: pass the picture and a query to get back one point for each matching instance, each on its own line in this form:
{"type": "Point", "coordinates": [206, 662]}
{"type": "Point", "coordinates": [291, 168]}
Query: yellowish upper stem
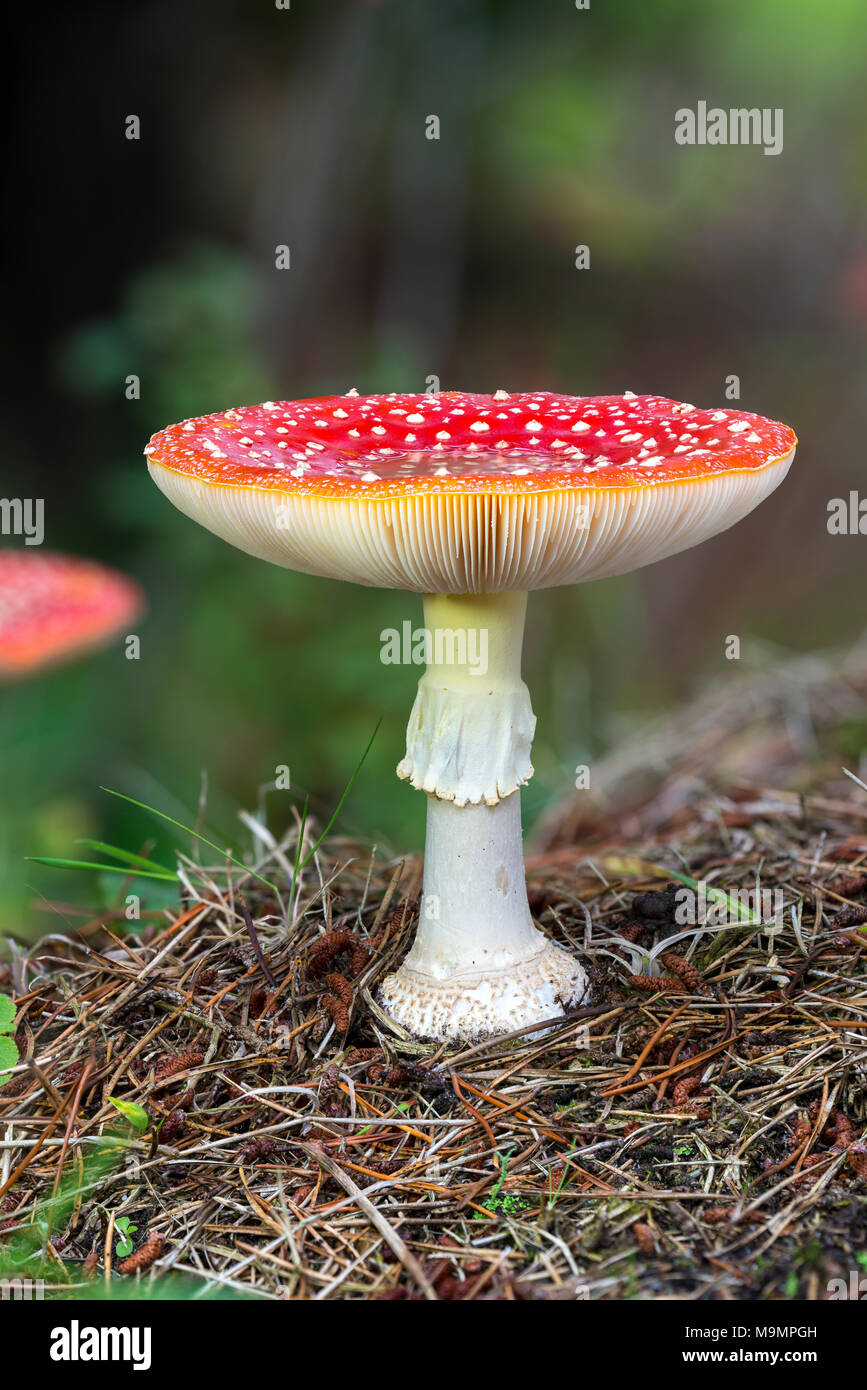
{"type": "Point", "coordinates": [472, 724]}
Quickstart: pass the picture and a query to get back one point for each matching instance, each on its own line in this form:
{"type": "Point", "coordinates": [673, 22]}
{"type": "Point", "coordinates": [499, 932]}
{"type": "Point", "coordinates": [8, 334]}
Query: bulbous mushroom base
{"type": "Point", "coordinates": [470, 1006]}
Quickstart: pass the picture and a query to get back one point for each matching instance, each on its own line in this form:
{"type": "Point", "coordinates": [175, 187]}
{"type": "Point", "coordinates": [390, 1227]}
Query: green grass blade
{"type": "Point", "coordinates": [124, 855]}
{"type": "Point", "coordinates": [717, 896]}
{"type": "Point", "coordinates": [346, 791]}
{"type": "Point", "coordinates": [128, 872]}
{"type": "Point", "coordinates": [297, 864]}
{"type": "Point", "coordinates": [629, 865]}
{"type": "Point", "coordinates": [224, 853]}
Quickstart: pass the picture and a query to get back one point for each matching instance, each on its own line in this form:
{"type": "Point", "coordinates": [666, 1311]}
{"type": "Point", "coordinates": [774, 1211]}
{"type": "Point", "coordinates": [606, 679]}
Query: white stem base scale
{"type": "Point", "coordinates": [478, 965]}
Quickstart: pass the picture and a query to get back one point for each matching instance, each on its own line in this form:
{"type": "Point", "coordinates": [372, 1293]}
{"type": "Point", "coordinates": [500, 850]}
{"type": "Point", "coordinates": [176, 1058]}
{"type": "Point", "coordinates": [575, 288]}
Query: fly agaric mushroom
{"type": "Point", "coordinates": [53, 607]}
{"type": "Point", "coordinates": [471, 500]}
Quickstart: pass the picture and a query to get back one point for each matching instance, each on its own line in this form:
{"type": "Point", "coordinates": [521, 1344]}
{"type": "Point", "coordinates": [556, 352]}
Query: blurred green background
{"type": "Point", "coordinates": [409, 257]}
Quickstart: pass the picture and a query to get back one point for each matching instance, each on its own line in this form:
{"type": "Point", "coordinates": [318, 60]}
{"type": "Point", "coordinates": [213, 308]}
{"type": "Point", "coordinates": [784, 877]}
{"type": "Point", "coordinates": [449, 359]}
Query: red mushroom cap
{"type": "Point", "coordinates": [461, 492]}
{"type": "Point", "coordinates": [391, 446]}
{"type": "Point", "coordinates": [57, 606]}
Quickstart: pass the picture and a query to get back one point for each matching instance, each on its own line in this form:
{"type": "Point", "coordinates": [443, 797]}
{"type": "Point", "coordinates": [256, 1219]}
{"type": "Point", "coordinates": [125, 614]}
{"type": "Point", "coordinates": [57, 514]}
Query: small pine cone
{"type": "Point", "coordinates": [356, 1055]}
{"type": "Point", "coordinates": [16, 1086]}
{"type": "Point", "coordinates": [260, 1147]}
{"type": "Point", "coordinates": [329, 1082]}
{"type": "Point", "coordinates": [339, 985]}
{"type": "Point", "coordinates": [817, 1161]}
{"type": "Point", "coordinates": [447, 1288]}
{"type": "Point", "coordinates": [684, 1089]}
{"type": "Point", "coordinates": [438, 1270]}
{"type": "Point", "coordinates": [686, 971]}
{"type": "Point", "coordinates": [813, 1167]}
{"type": "Point", "coordinates": [242, 955]}
{"type": "Point", "coordinates": [173, 1126]}
{"type": "Point", "coordinates": [144, 1257]}
{"type": "Point", "coordinates": [327, 949]}
{"type": "Point", "coordinates": [374, 1071]}
{"type": "Point", "coordinates": [302, 1193]}
{"type": "Point", "coordinates": [258, 999]}
{"type": "Point", "coordinates": [857, 1157]}
{"type": "Point", "coordinates": [848, 941]}
{"type": "Point", "coordinates": [400, 917]}
{"type": "Point", "coordinates": [338, 1011]}
{"type": "Point", "coordinates": [656, 984]}
{"type": "Point", "coordinates": [851, 848]}
{"type": "Point", "coordinates": [716, 1216]}
{"type": "Point", "coordinates": [850, 917]}
{"type": "Point", "coordinates": [851, 887]}
{"type": "Point", "coordinates": [640, 1100]}
{"type": "Point", "coordinates": [645, 1237]}
{"type": "Point", "coordinates": [359, 958]}
{"type": "Point", "coordinates": [556, 1177]}
{"type": "Point", "coordinates": [397, 1076]}
{"type": "Point", "coordinates": [170, 1065]}
{"type": "Point", "coordinates": [632, 932]}
{"type": "Point", "coordinates": [842, 1130]}
{"type": "Point", "coordinates": [317, 1135]}
{"type": "Point", "coordinates": [389, 1165]}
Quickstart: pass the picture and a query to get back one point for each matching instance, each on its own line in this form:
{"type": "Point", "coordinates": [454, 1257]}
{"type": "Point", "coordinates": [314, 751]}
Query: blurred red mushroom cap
{"type": "Point", "coordinates": [55, 607]}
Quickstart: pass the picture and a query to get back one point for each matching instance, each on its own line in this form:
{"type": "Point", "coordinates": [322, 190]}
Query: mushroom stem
{"type": "Point", "coordinates": [478, 964]}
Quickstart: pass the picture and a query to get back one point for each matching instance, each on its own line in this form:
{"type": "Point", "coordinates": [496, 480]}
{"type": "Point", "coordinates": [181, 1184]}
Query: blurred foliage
{"type": "Point", "coordinates": [409, 258]}
{"type": "Point", "coordinates": [182, 324]}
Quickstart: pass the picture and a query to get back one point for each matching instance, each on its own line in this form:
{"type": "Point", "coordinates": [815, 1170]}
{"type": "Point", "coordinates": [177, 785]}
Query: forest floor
{"type": "Point", "coordinates": [695, 1132]}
